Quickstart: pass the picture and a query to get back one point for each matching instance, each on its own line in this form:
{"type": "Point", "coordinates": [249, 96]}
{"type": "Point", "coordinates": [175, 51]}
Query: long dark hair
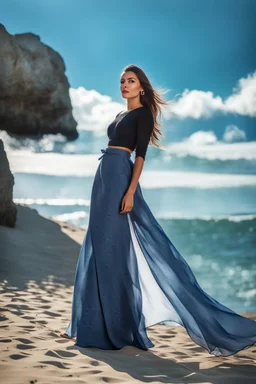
{"type": "Point", "coordinates": [152, 98]}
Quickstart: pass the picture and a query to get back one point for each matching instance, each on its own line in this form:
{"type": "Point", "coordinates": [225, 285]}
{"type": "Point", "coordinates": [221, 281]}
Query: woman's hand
{"type": "Point", "coordinates": [127, 203]}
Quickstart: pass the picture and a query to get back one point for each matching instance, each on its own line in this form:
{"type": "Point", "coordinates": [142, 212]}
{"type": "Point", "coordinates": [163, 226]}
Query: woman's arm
{"type": "Point", "coordinates": [145, 125]}
{"type": "Point", "coordinates": [137, 169]}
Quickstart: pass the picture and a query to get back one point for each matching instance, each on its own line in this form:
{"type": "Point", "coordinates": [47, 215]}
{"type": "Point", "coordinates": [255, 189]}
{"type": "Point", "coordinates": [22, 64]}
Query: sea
{"type": "Point", "coordinates": [203, 193]}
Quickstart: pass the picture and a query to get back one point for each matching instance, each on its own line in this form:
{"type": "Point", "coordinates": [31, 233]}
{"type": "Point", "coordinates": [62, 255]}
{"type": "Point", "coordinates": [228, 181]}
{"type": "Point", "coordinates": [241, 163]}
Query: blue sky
{"type": "Point", "coordinates": [201, 45]}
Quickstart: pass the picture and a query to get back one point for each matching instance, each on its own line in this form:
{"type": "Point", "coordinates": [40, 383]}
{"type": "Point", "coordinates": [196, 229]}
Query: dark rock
{"type": "Point", "coordinates": [8, 210]}
{"type": "Point", "coordinates": [34, 90]}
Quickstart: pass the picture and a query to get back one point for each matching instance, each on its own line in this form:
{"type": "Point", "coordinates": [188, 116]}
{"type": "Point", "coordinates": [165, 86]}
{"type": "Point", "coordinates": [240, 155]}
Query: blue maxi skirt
{"type": "Point", "coordinates": [130, 276]}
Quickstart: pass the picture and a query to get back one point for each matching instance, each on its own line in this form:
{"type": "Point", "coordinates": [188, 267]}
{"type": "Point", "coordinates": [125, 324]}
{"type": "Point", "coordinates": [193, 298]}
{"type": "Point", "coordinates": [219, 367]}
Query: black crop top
{"type": "Point", "coordinates": [132, 129]}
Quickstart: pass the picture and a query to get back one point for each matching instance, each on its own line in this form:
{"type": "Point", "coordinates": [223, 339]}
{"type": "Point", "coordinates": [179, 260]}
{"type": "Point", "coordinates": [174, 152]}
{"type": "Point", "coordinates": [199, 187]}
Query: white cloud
{"type": "Point", "coordinates": [93, 111]}
{"type": "Point", "coordinates": [197, 104]}
{"type": "Point", "coordinates": [194, 104]}
{"type": "Point", "coordinates": [202, 137]}
{"type": "Point", "coordinates": [205, 145]}
{"type": "Point", "coordinates": [243, 101]}
{"type": "Point", "coordinates": [233, 134]}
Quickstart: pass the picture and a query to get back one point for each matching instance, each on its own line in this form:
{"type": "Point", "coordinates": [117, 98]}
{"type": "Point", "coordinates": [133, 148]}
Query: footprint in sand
{"type": "Point", "coordinates": [180, 353]}
{"type": "Point", "coordinates": [94, 362]}
{"type": "Point", "coordinates": [20, 306]}
{"type": "Point", "coordinates": [60, 353]}
{"type": "Point", "coordinates": [165, 337]}
{"type": "Point", "coordinates": [110, 379]}
{"type": "Point", "coordinates": [28, 317]}
{"type": "Point", "coordinates": [18, 313]}
{"type": "Point", "coordinates": [51, 313]}
{"type": "Point", "coordinates": [18, 299]}
{"type": "Point", "coordinates": [62, 341]}
{"type": "Point", "coordinates": [164, 346]}
{"type": "Point", "coordinates": [17, 357]}
{"type": "Point", "coordinates": [24, 341]}
{"type": "Point", "coordinates": [197, 349]}
{"type": "Point", "coordinates": [93, 371]}
{"type": "Point", "coordinates": [24, 346]}
{"type": "Point", "coordinates": [53, 334]}
{"type": "Point", "coordinates": [56, 363]}
{"type": "Point", "coordinates": [171, 332]}
{"type": "Point", "coordinates": [38, 322]}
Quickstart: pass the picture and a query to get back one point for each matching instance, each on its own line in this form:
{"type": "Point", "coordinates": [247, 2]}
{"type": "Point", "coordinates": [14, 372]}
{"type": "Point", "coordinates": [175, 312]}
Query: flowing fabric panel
{"type": "Point", "coordinates": [209, 323]}
{"type": "Point", "coordinates": [155, 305]}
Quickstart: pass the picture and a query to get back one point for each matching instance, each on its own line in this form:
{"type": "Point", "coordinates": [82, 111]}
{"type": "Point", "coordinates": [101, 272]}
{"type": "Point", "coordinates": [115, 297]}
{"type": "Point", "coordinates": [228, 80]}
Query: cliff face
{"type": "Point", "coordinates": [8, 210]}
{"type": "Point", "coordinates": [34, 91]}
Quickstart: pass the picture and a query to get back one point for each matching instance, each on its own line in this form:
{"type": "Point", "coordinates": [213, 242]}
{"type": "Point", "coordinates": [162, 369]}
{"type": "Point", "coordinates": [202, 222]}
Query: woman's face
{"type": "Point", "coordinates": [129, 85]}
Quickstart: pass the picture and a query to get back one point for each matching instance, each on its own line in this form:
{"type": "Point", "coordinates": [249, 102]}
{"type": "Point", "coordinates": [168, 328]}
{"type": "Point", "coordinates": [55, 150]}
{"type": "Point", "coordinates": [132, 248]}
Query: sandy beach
{"type": "Point", "coordinates": [38, 261]}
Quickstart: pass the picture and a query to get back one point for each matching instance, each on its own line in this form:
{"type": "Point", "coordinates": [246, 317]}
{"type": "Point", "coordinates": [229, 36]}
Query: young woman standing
{"type": "Point", "coordinates": [129, 274]}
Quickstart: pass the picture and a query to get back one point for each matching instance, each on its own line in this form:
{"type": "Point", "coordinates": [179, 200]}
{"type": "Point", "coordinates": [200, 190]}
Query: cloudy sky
{"type": "Point", "coordinates": [202, 51]}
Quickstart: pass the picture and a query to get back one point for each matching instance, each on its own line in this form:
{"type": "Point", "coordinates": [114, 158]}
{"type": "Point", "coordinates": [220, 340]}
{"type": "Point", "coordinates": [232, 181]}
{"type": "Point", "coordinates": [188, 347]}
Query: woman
{"type": "Point", "coordinates": [129, 274]}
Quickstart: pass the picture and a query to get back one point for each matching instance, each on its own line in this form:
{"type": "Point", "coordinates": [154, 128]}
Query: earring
{"type": "Point", "coordinates": [142, 92]}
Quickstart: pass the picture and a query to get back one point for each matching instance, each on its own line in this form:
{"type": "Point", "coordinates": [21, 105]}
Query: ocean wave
{"type": "Point", "coordinates": [52, 202]}
{"type": "Point", "coordinates": [54, 164]}
{"type": "Point", "coordinates": [58, 202]}
{"type": "Point", "coordinates": [70, 217]}
{"type": "Point", "coordinates": [192, 163]}
{"type": "Point", "coordinates": [197, 180]}
{"type": "Point", "coordinates": [85, 166]}
{"type": "Point", "coordinates": [216, 151]}
{"type": "Point", "coordinates": [215, 218]}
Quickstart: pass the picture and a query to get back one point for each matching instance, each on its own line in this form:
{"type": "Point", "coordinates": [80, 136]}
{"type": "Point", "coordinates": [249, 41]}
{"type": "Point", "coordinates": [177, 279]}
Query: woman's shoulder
{"type": "Point", "coordinates": [145, 113]}
{"type": "Point", "coordinates": [145, 120]}
{"type": "Point", "coordinates": [145, 109]}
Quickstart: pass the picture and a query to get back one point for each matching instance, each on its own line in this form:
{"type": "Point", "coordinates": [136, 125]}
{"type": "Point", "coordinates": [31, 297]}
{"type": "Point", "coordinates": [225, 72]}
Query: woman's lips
{"type": "Point", "coordinates": [125, 91]}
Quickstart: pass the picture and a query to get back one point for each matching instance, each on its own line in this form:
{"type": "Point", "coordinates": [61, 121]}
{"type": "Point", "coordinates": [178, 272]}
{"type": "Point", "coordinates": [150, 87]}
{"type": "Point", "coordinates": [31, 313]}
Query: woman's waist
{"type": "Point", "coordinates": [120, 151]}
{"type": "Point", "coordinates": [129, 150]}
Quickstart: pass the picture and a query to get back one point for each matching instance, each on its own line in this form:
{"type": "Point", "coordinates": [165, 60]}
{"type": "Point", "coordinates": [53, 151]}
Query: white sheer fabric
{"type": "Point", "coordinates": [155, 305]}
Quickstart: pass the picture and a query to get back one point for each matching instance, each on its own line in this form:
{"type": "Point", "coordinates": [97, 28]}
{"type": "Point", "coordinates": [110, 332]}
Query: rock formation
{"type": "Point", "coordinates": [34, 90]}
{"type": "Point", "coordinates": [8, 210]}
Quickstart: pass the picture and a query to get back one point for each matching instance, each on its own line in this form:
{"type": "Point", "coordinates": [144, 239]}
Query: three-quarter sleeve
{"type": "Point", "coordinates": [145, 125]}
